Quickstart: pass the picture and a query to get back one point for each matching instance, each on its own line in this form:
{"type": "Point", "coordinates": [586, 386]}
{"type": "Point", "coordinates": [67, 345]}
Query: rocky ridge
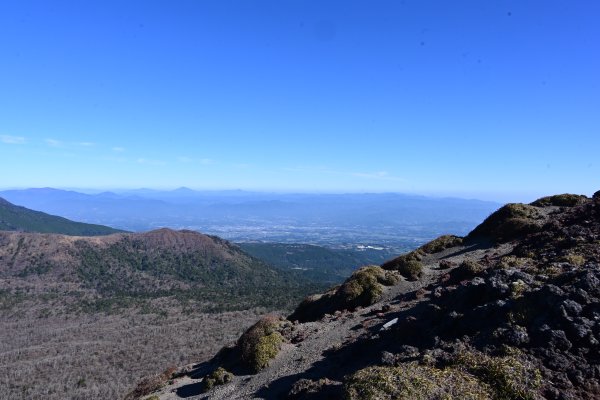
{"type": "Point", "coordinates": [511, 311]}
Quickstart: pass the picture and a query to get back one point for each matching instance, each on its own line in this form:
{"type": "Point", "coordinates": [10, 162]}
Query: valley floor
{"type": "Point", "coordinates": [100, 356]}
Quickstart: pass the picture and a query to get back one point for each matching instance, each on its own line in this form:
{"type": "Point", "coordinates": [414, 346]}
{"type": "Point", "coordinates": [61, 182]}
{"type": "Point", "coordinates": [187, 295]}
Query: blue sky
{"type": "Point", "coordinates": [489, 99]}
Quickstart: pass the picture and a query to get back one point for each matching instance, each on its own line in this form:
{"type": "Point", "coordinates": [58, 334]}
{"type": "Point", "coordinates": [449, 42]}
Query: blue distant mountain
{"type": "Point", "coordinates": [332, 219]}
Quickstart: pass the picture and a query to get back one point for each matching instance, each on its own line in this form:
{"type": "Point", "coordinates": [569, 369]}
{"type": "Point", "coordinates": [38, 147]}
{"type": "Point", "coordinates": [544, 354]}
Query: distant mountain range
{"type": "Point", "coordinates": [16, 218]}
{"type": "Point", "coordinates": [397, 221]}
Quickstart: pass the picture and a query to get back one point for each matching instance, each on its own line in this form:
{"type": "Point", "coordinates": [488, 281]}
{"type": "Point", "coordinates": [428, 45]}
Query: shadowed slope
{"type": "Point", "coordinates": [16, 218]}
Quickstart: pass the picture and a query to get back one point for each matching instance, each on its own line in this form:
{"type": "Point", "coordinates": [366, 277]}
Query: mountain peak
{"type": "Point", "coordinates": [184, 190]}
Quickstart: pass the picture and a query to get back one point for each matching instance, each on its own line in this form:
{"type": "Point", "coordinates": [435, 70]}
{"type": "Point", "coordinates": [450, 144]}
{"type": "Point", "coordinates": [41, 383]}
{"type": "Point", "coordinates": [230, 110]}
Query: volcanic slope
{"type": "Point", "coordinates": [87, 317]}
{"type": "Point", "coordinates": [512, 311]}
{"type": "Point", "coordinates": [105, 272]}
{"type": "Point", "coordinates": [17, 218]}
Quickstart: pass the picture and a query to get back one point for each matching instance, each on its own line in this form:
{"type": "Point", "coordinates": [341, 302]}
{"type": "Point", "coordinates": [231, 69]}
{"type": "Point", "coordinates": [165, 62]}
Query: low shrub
{"type": "Point", "coordinates": [218, 377]}
{"type": "Point", "coordinates": [511, 261]}
{"type": "Point", "coordinates": [468, 269]}
{"type": "Point", "coordinates": [508, 223]}
{"type": "Point", "coordinates": [261, 343]}
{"type": "Point", "coordinates": [151, 384]}
{"type": "Point", "coordinates": [389, 278]}
{"type": "Point", "coordinates": [517, 289]}
{"type": "Point", "coordinates": [560, 200]}
{"type": "Point", "coordinates": [305, 389]}
{"type": "Point", "coordinates": [408, 265]}
{"type": "Point", "coordinates": [575, 259]}
{"type": "Point", "coordinates": [442, 243]}
{"type": "Point", "coordinates": [414, 382]}
{"type": "Point", "coordinates": [363, 288]}
{"type": "Point", "coordinates": [411, 270]}
{"type": "Point", "coordinates": [510, 377]}
{"type": "Point", "coordinates": [314, 307]}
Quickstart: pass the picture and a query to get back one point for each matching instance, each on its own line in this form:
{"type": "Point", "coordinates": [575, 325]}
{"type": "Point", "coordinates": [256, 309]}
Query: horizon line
{"type": "Point", "coordinates": [497, 197]}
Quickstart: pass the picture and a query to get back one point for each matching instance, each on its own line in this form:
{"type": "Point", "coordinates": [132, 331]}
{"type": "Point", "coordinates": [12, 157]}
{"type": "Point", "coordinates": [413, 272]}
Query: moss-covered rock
{"type": "Point", "coordinates": [412, 381]}
{"type": "Point", "coordinates": [261, 342]}
{"type": "Point", "coordinates": [560, 200]}
{"type": "Point", "coordinates": [508, 223]}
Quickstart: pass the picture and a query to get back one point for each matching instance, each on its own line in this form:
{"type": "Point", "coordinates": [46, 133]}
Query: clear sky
{"type": "Point", "coordinates": [490, 99]}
